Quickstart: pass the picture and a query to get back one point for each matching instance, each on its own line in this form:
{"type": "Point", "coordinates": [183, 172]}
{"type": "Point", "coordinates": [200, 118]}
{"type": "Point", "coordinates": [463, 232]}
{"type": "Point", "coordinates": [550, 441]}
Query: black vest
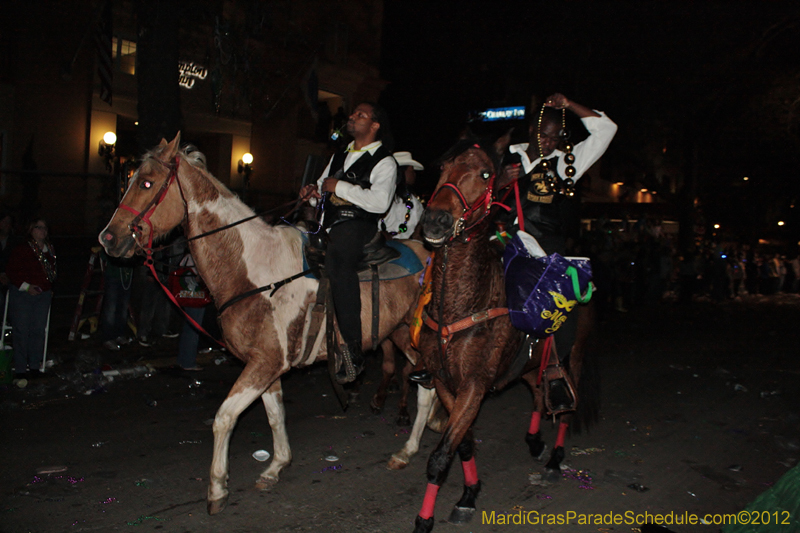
{"type": "Point", "coordinates": [546, 213]}
{"type": "Point", "coordinates": [339, 210]}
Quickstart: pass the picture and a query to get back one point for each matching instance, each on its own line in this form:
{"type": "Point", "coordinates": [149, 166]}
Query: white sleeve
{"type": "Point", "coordinates": [378, 197]}
{"type": "Point", "coordinates": [601, 130]}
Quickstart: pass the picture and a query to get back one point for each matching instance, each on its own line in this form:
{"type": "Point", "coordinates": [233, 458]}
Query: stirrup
{"type": "Point", "coordinates": [559, 392]}
{"type": "Point", "coordinates": [350, 366]}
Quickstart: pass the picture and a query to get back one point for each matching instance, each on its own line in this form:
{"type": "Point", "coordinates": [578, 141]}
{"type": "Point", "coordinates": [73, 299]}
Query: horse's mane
{"type": "Point", "coordinates": [464, 144]}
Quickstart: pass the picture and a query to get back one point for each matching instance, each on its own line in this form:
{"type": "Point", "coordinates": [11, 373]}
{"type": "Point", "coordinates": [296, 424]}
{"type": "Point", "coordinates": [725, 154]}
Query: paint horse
{"type": "Point", "coordinates": [469, 344]}
{"type": "Point", "coordinates": [266, 330]}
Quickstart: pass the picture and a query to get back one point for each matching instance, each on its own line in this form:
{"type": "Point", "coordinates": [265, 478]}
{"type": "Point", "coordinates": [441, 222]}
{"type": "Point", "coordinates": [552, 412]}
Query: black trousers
{"type": "Point", "coordinates": [345, 249]}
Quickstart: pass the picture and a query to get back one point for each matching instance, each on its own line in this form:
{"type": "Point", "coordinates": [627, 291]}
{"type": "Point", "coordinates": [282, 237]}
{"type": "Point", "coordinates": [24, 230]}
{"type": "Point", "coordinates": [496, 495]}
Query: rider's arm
{"type": "Point", "coordinates": [378, 197]}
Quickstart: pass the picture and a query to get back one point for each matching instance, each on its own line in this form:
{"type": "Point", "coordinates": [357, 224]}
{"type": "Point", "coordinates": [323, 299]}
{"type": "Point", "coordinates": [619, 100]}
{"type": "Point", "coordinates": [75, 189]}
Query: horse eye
{"type": "Point", "coordinates": [486, 174]}
{"type": "Point", "coordinates": [145, 184]}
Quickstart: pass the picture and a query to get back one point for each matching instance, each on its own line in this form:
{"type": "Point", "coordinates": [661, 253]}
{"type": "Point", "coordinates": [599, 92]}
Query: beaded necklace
{"type": "Point", "coordinates": [567, 185]}
{"type": "Point", "coordinates": [403, 227]}
{"type": "Point", "coordinates": [48, 265]}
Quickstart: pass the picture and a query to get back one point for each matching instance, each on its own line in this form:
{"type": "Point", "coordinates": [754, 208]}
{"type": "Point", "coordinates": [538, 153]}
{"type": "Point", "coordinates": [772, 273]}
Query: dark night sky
{"type": "Point", "coordinates": [713, 82]}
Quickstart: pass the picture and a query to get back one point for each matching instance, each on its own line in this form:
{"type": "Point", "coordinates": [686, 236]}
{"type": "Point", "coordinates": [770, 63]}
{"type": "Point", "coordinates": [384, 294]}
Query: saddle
{"type": "Point", "coordinates": [376, 252]}
{"type": "Point", "coordinates": [378, 257]}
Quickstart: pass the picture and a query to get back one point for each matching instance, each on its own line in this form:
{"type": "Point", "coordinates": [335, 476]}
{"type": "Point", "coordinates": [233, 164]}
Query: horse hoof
{"type": "Point", "coordinates": [552, 476]}
{"type": "Point", "coordinates": [423, 525]}
{"type": "Point", "coordinates": [216, 506]}
{"type": "Point", "coordinates": [403, 420]}
{"type": "Point", "coordinates": [266, 483]}
{"type": "Point", "coordinates": [395, 463]}
{"type": "Point", "coordinates": [375, 408]}
{"type": "Point", "coordinates": [461, 515]}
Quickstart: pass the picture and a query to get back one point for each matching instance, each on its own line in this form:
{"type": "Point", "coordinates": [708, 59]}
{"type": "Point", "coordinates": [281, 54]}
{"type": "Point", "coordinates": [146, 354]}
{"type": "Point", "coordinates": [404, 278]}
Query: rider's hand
{"type": "Point", "coordinates": [557, 100]}
{"type": "Point", "coordinates": [309, 191]}
{"type": "Point", "coordinates": [511, 172]}
{"type": "Point", "coordinates": [329, 184]}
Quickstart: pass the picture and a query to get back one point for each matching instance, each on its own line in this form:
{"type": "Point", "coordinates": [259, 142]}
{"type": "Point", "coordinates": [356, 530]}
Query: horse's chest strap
{"type": "Point", "coordinates": [464, 323]}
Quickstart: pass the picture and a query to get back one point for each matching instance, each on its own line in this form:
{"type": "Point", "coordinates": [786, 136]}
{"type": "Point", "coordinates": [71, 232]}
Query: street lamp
{"type": "Point", "coordinates": [106, 149]}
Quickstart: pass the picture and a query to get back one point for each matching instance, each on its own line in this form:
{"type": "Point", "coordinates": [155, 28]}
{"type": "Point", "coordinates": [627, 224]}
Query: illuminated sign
{"type": "Point", "coordinates": [501, 113]}
{"type": "Point", "coordinates": [190, 72]}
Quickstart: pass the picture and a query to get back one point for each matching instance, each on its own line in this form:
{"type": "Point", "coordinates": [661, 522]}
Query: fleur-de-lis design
{"type": "Point", "coordinates": [562, 302]}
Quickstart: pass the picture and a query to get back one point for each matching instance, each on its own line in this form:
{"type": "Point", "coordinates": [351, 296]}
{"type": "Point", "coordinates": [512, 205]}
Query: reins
{"type": "Point", "coordinates": [446, 332]}
{"type": "Point", "coordinates": [147, 212]}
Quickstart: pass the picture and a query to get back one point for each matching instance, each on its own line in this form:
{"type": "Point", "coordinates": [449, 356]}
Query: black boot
{"type": "Point", "coordinates": [352, 363]}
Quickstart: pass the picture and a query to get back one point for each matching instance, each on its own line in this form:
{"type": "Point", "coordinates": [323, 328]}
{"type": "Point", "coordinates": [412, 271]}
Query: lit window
{"type": "Point", "coordinates": [124, 53]}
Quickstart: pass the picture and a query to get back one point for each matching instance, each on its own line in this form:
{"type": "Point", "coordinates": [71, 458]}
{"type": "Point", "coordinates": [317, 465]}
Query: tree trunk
{"type": "Point", "coordinates": [157, 71]}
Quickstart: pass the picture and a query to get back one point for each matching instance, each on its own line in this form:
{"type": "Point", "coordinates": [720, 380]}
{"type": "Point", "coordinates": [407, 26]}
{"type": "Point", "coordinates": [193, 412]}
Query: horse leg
{"type": "Point", "coordinates": [247, 388]}
{"type": "Point", "coordinates": [425, 402]}
{"type": "Point", "coordinates": [534, 436]}
{"type": "Point", "coordinates": [463, 410]}
{"type": "Point", "coordinates": [402, 339]}
{"type": "Point", "coordinates": [388, 368]}
{"type": "Point", "coordinates": [282, 453]}
{"type": "Point", "coordinates": [465, 508]}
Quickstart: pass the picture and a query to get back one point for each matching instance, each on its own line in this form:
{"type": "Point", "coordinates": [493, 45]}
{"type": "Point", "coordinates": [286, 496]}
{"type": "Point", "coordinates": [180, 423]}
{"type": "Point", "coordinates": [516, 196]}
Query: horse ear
{"type": "Point", "coordinates": [172, 148]}
{"type": "Point", "coordinates": [501, 144]}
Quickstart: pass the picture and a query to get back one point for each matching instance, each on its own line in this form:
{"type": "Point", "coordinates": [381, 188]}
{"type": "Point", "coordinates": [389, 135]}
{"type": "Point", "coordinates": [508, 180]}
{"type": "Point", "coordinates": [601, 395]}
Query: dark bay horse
{"type": "Point", "coordinates": [469, 343]}
{"type": "Point", "coordinates": [265, 331]}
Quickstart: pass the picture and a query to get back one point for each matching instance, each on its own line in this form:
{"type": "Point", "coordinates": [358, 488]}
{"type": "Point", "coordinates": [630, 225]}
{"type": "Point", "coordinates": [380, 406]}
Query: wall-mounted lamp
{"type": "Point", "coordinates": [245, 162]}
{"type": "Point", "coordinates": [245, 168]}
{"type": "Point", "coordinates": [106, 149]}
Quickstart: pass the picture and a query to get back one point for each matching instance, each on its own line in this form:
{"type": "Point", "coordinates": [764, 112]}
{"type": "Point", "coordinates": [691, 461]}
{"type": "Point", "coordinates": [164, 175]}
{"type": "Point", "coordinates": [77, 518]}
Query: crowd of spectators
{"type": "Point", "coordinates": [637, 264]}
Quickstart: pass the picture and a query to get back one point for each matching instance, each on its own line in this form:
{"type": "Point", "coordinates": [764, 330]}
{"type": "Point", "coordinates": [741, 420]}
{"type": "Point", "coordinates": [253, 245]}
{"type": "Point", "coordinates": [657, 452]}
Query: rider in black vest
{"type": "Point", "coordinates": [356, 188]}
{"type": "Point", "coordinates": [547, 170]}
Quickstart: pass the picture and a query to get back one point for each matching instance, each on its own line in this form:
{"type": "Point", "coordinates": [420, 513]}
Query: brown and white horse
{"type": "Point", "coordinates": [265, 331]}
{"type": "Point", "coordinates": [469, 343]}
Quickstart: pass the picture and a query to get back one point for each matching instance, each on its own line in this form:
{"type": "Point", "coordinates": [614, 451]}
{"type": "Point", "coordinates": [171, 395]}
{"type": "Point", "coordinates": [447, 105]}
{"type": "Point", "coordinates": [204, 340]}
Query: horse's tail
{"type": "Point", "coordinates": [588, 412]}
{"type": "Point", "coordinates": [589, 380]}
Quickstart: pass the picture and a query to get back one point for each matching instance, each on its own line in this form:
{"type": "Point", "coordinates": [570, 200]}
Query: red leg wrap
{"type": "Point", "coordinates": [470, 472]}
{"type": "Point", "coordinates": [536, 419]}
{"type": "Point", "coordinates": [562, 434]}
{"type": "Point", "coordinates": [429, 502]}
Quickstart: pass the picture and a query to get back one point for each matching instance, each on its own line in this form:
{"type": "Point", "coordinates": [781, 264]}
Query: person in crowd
{"type": "Point", "coordinates": [31, 271]}
{"type": "Point", "coordinates": [189, 338]}
{"type": "Point", "coordinates": [117, 283]}
{"type": "Point", "coordinates": [156, 311]}
{"type": "Point", "coordinates": [400, 221]}
{"type": "Point", "coordinates": [7, 243]}
{"type": "Point", "coordinates": [356, 187]}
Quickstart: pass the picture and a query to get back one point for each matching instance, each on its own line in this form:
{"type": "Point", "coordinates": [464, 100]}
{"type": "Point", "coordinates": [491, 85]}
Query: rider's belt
{"type": "Point", "coordinates": [335, 214]}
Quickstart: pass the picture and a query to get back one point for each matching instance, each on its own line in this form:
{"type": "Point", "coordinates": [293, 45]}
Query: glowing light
{"type": "Point", "coordinates": [745, 178]}
{"type": "Point", "coordinates": [716, 226]}
{"type": "Point", "coordinates": [247, 158]}
{"type": "Point", "coordinates": [110, 137]}
{"type": "Point", "coordinates": [781, 223]}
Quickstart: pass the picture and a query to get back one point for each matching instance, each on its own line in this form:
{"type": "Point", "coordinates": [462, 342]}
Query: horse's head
{"type": "Point", "coordinates": [151, 207]}
{"type": "Point", "coordinates": [463, 196]}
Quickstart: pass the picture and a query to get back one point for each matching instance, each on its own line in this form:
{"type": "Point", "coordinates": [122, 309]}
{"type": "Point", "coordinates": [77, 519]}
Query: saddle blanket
{"type": "Point", "coordinates": [407, 264]}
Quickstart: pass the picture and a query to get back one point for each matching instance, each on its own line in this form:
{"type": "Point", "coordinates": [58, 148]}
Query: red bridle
{"type": "Point", "coordinates": [149, 209]}
{"type": "Point", "coordinates": [483, 201]}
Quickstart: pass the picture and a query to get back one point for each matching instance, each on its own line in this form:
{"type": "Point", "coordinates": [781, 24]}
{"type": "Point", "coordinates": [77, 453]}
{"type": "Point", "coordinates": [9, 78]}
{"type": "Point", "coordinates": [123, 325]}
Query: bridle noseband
{"type": "Point", "coordinates": [483, 201]}
{"type": "Point", "coordinates": [145, 214]}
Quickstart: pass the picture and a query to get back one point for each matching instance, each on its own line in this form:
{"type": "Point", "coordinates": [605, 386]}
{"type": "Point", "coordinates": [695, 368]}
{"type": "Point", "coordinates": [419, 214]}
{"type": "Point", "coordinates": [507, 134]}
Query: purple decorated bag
{"type": "Point", "coordinates": [542, 291]}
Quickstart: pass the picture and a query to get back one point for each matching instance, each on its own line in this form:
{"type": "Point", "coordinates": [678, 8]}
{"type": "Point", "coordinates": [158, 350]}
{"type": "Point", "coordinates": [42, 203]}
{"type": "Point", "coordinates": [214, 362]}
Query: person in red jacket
{"type": "Point", "coordinates": [32, 271]}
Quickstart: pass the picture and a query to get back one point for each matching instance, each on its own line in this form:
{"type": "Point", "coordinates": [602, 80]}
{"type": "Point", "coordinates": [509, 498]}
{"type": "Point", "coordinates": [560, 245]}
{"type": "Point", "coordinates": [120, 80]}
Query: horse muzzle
{"type": "Point", "coordinates": [438, 226]}
{"type": "Point", "coordinates": [116, 247]}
